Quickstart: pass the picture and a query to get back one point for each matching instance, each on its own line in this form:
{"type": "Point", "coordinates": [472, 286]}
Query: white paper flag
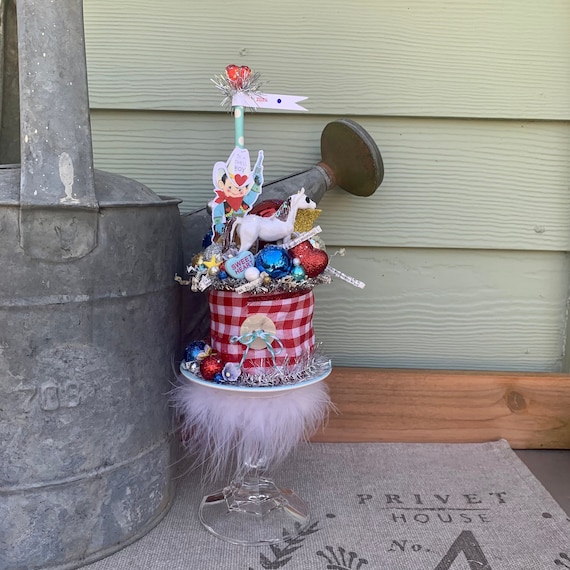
{"type": "Point", "coordinates": [268, 101]}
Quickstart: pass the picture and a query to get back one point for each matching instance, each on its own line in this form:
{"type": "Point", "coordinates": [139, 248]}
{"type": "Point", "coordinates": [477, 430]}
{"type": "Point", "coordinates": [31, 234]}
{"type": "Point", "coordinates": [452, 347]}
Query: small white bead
{"type": "Point", "coordinates": [251, 273]}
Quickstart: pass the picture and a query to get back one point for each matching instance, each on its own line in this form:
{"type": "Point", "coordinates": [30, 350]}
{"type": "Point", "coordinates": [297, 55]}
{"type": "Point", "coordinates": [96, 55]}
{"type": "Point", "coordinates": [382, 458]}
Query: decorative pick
{"type": "Point", "coordinates": [242, 88]}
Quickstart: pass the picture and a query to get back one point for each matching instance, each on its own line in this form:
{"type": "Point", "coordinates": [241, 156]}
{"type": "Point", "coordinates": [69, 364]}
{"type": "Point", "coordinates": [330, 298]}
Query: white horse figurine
{"type": "Point", "coordinates": [250, 228]}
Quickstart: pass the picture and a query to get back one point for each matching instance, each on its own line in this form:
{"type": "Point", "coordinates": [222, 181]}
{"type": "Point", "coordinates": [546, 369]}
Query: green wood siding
{"type": "Point", "coordinates": [489, 58]}
{"type": "Point", "coordinates": [448, 183]}
{"type": "Point", "coordinates": [446, 309]}
{"type": "Point", "coordinates": [463, 248]}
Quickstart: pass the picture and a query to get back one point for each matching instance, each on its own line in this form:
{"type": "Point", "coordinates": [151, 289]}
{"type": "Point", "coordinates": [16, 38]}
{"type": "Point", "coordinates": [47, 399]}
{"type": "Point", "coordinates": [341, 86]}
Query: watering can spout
{"type": "Point", "coordinates": [58, 206]}
{"type": "Point", "coordinates": [350, 159]}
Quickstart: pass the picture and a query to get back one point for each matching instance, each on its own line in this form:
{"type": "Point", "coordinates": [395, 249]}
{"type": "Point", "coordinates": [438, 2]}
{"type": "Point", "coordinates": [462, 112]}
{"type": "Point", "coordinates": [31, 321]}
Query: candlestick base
{"type": "Point", "coordinates": [253, 511]}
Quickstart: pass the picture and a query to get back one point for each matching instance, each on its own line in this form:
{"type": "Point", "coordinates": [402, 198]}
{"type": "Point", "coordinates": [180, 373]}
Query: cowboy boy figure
{"type": "Point", "coordinates": [236, 188]}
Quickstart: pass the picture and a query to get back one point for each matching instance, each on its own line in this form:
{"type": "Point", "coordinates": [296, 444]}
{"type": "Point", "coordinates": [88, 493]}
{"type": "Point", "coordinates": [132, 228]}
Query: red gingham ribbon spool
{"type": "Point", "coordinates": [290, 313]}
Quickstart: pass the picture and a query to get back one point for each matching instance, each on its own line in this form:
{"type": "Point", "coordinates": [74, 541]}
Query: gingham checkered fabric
{"type": "Point", "coordinates": [292, 314]}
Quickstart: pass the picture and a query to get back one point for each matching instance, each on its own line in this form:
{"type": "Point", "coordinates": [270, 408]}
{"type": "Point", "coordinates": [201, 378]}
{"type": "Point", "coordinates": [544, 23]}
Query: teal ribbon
{"type": "Point", "coordinates": [249, 338]}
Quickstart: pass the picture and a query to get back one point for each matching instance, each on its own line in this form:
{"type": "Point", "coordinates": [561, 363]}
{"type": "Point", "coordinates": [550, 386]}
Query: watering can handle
{"type": "Point", "coordinates": [58, 206]}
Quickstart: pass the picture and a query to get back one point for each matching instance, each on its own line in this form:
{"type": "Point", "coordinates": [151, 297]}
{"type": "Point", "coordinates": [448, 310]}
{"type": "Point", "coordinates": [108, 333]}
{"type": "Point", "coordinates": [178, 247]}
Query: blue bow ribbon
{"type": "Point", "coordinates": [249, 338]}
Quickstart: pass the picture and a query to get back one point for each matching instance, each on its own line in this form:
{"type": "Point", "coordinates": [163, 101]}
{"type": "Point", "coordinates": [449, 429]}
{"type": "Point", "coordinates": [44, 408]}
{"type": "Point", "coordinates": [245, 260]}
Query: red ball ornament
{"type": "Point", "coordinates": [210, 366]}
{"type": "Point", "coordinates": [314, 261]}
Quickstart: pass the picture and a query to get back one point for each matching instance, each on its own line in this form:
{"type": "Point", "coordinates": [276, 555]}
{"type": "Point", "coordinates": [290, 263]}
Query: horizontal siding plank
{"type": "Point", "coordinates": [530, 411]}
{"type": "Point", "coordinates": [448, 183]}
{"type": "Point", "coordinates": [448, 309]}
{"type": "Point", "coordinates": [437, 58]}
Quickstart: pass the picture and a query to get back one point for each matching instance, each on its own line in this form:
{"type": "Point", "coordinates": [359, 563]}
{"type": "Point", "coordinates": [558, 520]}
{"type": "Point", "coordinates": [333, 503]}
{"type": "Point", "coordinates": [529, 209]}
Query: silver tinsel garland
{"type": "Point", "coordinates": [306, 367]}
{"type": "Point", "coordinates": [251, 86]}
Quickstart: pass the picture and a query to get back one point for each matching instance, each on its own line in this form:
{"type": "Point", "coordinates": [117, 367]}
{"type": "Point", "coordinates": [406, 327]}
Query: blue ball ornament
{"type": "Point", "coordinates": [298, 273]}
{"type": "Point", "coordinates": [219, 378]}
{"type": "Point", "coordinates": [275, 261]}
{"type": "Point", "coordinates": [222, 275]}
{"type": "Point", "coordinates": [194, 349]}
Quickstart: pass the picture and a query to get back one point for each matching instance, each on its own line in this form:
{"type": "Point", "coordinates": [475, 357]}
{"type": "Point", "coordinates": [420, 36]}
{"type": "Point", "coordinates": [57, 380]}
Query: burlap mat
{"type": "Point", "coordinates": [382, 507]}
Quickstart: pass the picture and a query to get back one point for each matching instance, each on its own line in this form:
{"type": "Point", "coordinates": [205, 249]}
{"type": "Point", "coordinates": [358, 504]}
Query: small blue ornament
{"type": "Point", "coordinates": [222, 275]}
{"type": "Point", "coordinates": [218, 378]}
{"type": "Point", "coordinates": [275, 261]}
{"type": "Point", "coordinates": [298, 273]}
{"type": "Point", "coordinates": [194, 350]}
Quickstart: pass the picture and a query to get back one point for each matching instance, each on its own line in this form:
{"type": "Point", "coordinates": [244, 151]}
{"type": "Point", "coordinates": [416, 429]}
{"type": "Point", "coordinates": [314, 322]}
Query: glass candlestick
{"type": "Point", "coordinates": [254, 428]}
{"type": "Point", "coordinates": [252, 510]}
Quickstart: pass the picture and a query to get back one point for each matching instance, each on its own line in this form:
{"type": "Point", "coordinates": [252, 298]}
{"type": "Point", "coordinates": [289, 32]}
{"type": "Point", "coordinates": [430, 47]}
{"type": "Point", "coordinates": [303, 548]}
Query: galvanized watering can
{"type": "Point", "coordinates": [88, 316]}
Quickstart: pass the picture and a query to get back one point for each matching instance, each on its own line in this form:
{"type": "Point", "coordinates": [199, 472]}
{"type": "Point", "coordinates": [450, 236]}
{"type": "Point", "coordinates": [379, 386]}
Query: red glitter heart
{"type": "Point", "coordinates": [314, 261]}
{"type": "Point", "coordinates": [240, 179]}
{"type": "Point", "coordinates": [300, 249]}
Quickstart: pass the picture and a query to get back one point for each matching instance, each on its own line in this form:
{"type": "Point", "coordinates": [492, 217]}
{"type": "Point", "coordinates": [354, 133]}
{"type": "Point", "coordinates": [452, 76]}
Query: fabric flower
{"type": "Point", "coordinates": [231, 372]}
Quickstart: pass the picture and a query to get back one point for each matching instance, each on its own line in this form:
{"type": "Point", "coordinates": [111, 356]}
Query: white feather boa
{"type": "Point", "coordinates": [221, 428]}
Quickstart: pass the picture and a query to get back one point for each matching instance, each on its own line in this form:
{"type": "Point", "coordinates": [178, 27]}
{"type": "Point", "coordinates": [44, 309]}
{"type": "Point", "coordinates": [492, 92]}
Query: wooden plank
{"type": "Point", "coordinates": [418, 58]}
{"type": "Point", "coordinates": [448, 183]}
{"type": "Point", "coordinates": [530, 411]}
{"type": "Point", "coordinates": [448, 309]}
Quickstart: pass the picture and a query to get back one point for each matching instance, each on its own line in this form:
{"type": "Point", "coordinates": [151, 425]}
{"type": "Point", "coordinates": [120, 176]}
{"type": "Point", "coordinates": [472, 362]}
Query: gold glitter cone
{"type": "Point", "coordinates": [305, 220]}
